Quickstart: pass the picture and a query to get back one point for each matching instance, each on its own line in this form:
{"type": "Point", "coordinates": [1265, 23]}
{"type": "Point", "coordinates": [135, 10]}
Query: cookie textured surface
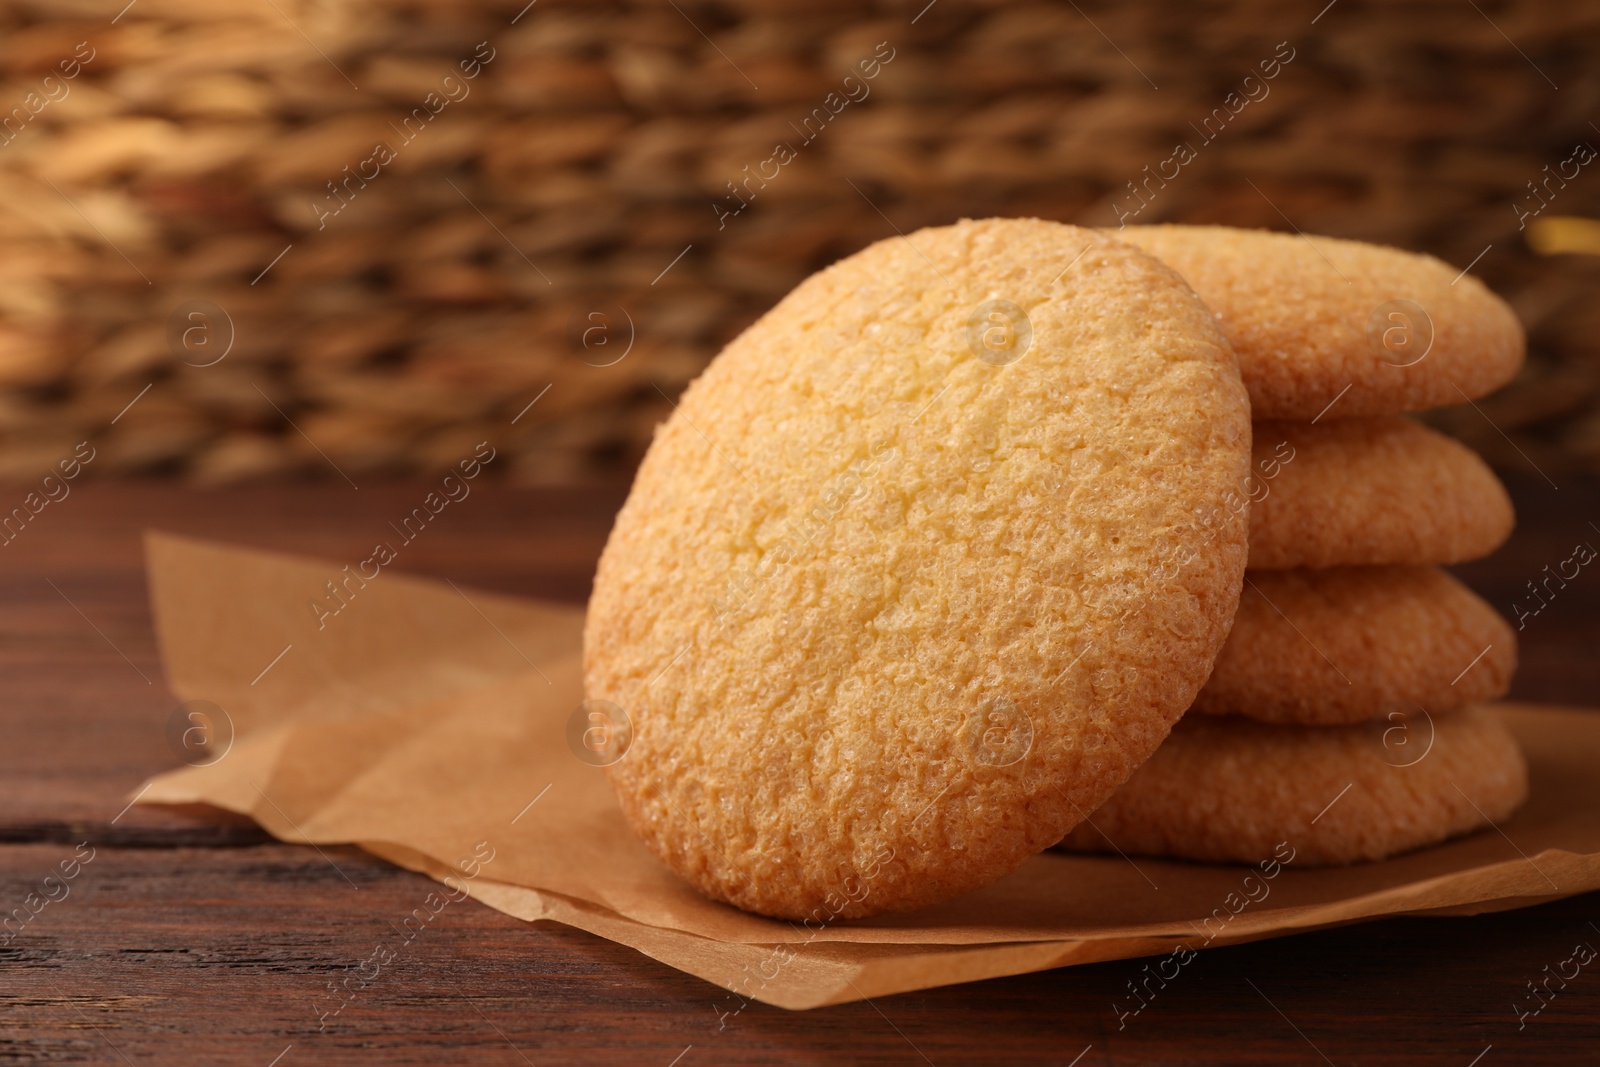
{"type": "Point", "coordinates": [1315, 321]}
{"type": "Point", "coordinates": [1348, 492]}
{"type": "Point", "coordinates": [1352, 643]}
{"type": "Point", "coordinates": [1232, 789]}
{"type": "Point", "coordinates": [908, 583]}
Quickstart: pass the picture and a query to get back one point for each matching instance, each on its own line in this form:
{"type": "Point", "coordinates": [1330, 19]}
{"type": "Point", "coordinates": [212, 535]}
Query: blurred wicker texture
{"type": "Point", "coordinates": [455, 286]}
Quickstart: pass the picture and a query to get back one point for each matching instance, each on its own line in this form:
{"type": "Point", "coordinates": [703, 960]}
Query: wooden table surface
{"type": "Point", "coordinates": [192, 937]}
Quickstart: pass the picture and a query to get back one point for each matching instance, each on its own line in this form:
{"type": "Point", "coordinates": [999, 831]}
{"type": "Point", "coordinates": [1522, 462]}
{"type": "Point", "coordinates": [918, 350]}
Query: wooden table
{"type": "Point", "coordinates": [195, 938]}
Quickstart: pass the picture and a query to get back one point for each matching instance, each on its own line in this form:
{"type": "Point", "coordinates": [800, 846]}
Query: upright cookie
{"type": "Point", "coordinates": [1232, 790]}
{"type": "Point", "coordinates": [1339, 328]}
{"type": "Point", "coordinates": [921, 568]}
{"type": "Point", "coordinates": [1347, 492]}
{"type": "Point", "coordinates": [1353, 643]}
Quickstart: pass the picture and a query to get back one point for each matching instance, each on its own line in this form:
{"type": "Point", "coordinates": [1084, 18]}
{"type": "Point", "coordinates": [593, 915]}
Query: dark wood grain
{"type": "Point", "coordinates": [192, 937]}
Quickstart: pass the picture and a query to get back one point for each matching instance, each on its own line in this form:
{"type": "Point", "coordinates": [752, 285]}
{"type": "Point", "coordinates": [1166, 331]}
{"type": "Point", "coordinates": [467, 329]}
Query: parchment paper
{"type": "Point", "coordinates": [424, 719]}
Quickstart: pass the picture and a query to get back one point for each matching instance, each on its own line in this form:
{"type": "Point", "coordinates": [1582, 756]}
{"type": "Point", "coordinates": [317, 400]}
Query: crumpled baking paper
{"type": "Point", "coordinates": [434, 726]}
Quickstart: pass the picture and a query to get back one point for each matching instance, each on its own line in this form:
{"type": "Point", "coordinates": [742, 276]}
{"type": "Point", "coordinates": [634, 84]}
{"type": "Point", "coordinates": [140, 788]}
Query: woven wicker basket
{"type": "Point", "coordinates": [555, 224]}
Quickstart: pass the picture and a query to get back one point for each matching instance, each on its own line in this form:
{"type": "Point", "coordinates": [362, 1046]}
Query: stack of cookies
{"type": "Point", "coordinates": [1340, 713]}
{"type": "Point", "coordinates": [922, 572]}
